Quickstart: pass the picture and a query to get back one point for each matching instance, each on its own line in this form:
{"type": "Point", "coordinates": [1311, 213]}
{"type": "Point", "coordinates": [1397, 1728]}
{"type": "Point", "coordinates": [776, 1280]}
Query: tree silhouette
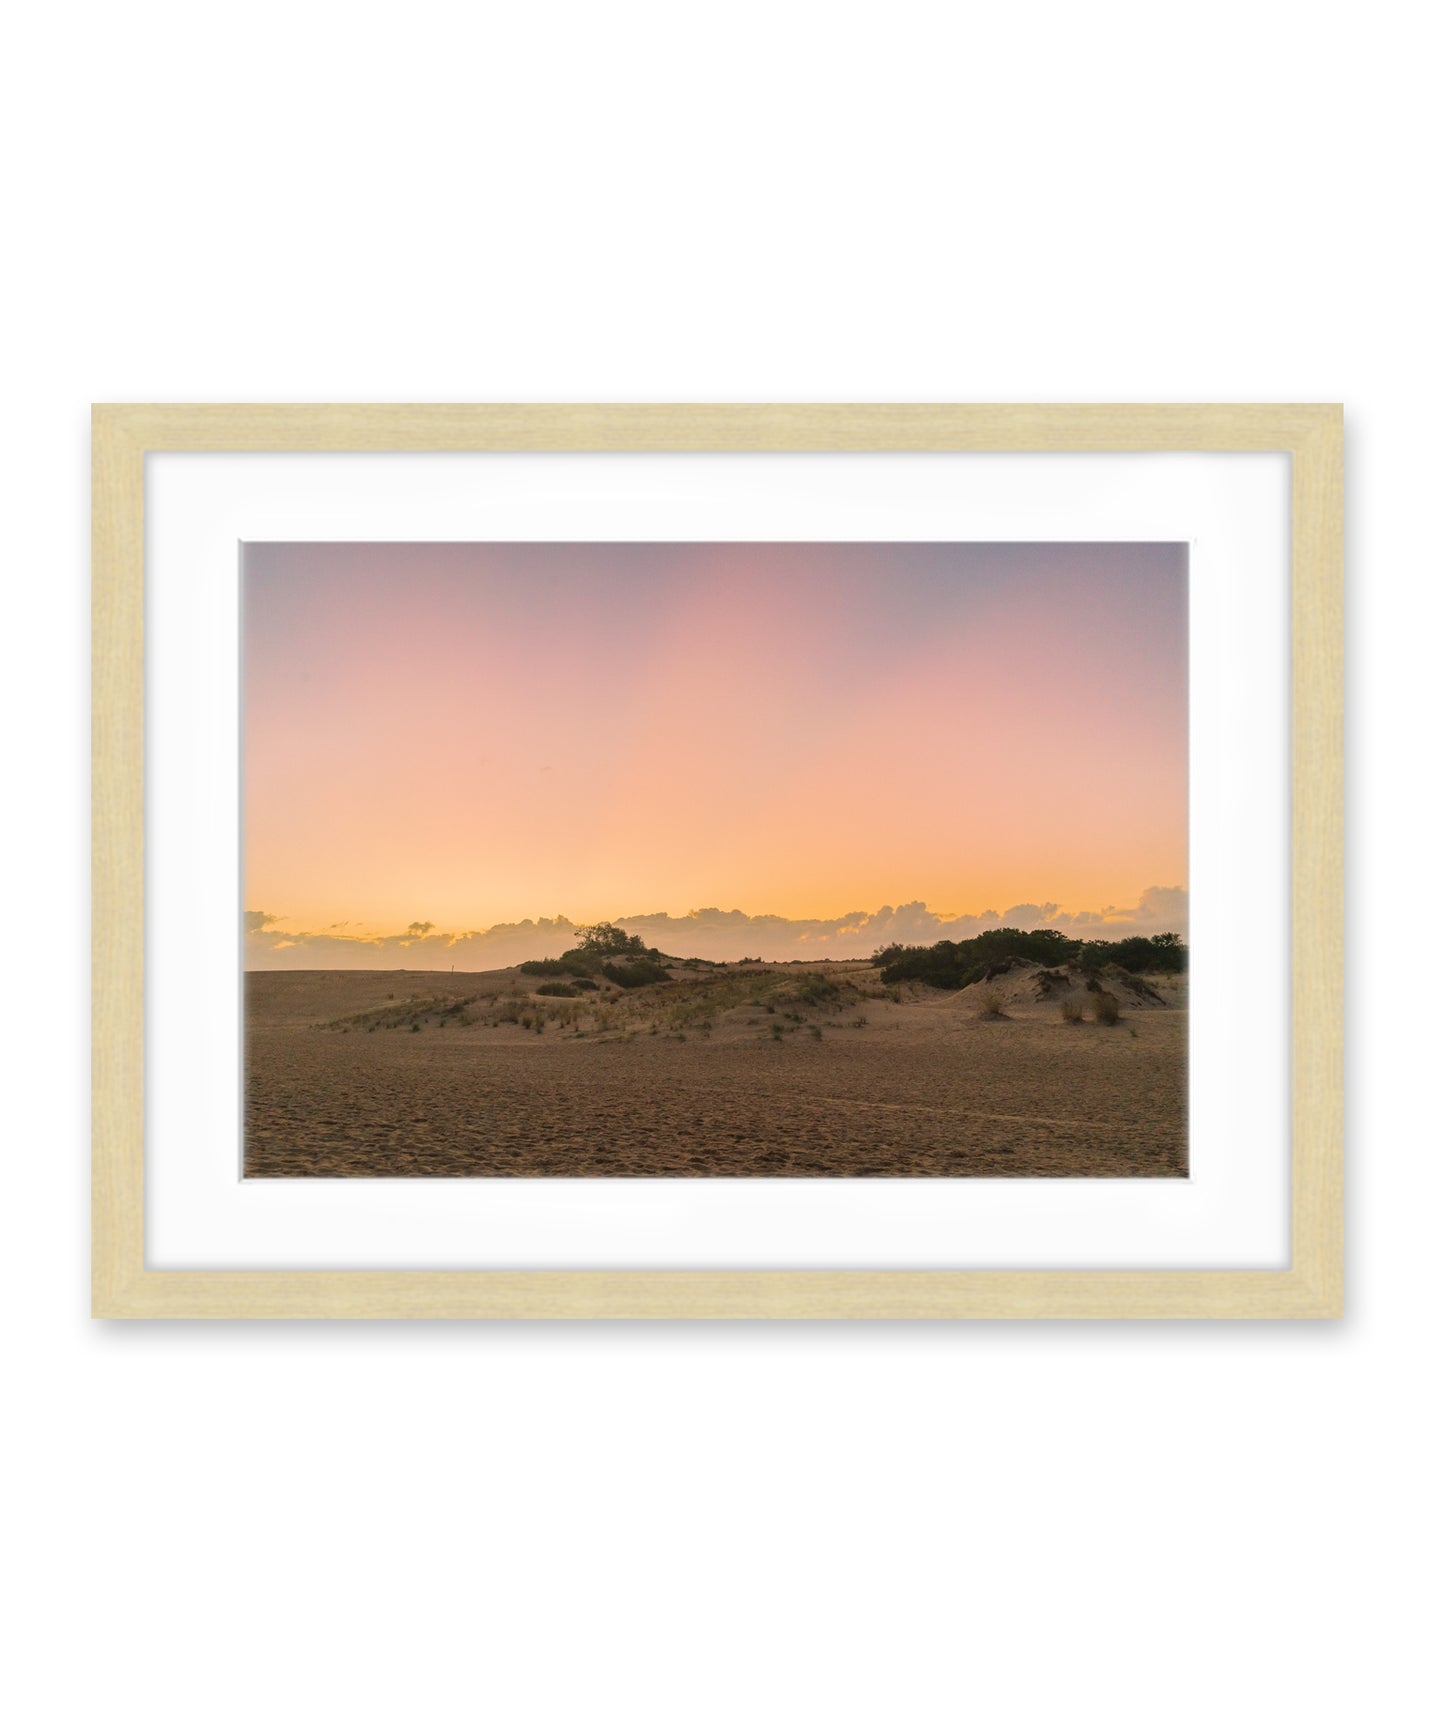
{"type": "Point", "coordinates": [606, 939]}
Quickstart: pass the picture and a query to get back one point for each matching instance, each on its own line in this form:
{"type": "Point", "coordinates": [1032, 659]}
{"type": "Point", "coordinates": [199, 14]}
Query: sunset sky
{"type": "Point", "coordinates": [476, 734]}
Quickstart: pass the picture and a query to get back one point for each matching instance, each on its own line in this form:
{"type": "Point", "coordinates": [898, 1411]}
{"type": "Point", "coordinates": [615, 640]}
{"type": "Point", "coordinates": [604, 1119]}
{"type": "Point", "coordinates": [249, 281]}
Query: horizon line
{"type": "Point", "coordinates": [719, 934]}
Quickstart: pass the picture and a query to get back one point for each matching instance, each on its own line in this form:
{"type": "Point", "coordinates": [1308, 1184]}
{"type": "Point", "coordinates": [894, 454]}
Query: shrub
{"type": "Point", "coordinates": [584, 981]}
{"type": "Point", "coordinates": [639, 974]}
{"type": "Point", "coordinates": [546, 966]}
{"type": "Point", "coordinates": [958, 963]}
{"type": "Point", "coordinates": [1106, 1008]}
{"type": "Point", "coordinates": [1072, 1011]}
{"type": "Point", "coordinates": [990, 1003]}
{"type": "Point", "coordinates": [558, 990]}
{"type": "Point", "coordinates": [1170, 952]}
{"type": "Point", "coordinates": [1165, 951]}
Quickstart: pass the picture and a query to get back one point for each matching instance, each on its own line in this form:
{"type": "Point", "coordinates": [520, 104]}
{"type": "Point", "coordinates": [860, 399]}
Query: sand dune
{"type": "Point", "coordinates": [769, 1069]}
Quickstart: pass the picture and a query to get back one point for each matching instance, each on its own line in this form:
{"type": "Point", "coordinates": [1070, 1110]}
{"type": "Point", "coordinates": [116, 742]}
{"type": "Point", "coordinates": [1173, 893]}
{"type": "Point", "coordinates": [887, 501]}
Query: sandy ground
{"type": "Point", "coordinates": [339, 1083]}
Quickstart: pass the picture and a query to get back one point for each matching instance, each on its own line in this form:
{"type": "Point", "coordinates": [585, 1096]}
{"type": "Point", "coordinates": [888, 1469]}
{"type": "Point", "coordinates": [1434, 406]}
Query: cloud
{"type": "Point", "coordinates": [721, 934]}
{"type": "Point", "coordinates": [1160, 909]}
{"type": "Point", "coordinates": [257, 918]}
{"type": "Point", "coordinates": [1030, 915]}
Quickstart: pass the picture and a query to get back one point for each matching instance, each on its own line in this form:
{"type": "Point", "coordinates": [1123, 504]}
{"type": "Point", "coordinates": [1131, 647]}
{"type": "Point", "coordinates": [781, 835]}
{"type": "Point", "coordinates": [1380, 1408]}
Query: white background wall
{"type": "Point", "coordinates": [537, 1527]}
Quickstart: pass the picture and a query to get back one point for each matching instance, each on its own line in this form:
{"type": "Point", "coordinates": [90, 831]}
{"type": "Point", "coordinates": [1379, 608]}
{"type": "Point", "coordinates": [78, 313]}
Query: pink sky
{"type": "Point", "coordinates": [477, 734]}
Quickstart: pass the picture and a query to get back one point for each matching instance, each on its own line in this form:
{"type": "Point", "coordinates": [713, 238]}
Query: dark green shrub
{"type": "Point", "coordinates": [558, 990]}
{"type": "Point", "coordinates": [956, 963]}
{"type": "Point", "coordinates": [638, 974]}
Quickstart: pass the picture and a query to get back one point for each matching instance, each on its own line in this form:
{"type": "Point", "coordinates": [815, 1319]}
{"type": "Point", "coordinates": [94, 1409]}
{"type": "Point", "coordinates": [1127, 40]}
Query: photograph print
{"type": "Point", "coordinates": [715, 859]}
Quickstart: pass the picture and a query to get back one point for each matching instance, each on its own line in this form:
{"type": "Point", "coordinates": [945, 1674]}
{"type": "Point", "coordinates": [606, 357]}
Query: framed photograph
{"type": "Point", "coordinates": [738, 861]}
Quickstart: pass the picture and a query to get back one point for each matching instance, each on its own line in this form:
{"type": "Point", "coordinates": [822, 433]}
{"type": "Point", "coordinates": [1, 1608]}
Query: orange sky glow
{"type": "Point", "coordinates": [474, 734]}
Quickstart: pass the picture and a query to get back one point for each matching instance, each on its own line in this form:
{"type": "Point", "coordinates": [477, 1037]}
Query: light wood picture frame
{"type": "Point", "coordinates": [1311, 1286]}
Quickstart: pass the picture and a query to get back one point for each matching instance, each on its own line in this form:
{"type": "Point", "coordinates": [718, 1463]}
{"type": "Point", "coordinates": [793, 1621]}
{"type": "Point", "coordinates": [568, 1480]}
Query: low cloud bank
{"type": "Point", "coordinates": [720, 934]}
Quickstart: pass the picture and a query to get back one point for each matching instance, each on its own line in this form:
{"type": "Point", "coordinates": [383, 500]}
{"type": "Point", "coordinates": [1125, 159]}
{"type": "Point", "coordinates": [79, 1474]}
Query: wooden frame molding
{"type": "Point", "coordinates": [122, 1285]}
